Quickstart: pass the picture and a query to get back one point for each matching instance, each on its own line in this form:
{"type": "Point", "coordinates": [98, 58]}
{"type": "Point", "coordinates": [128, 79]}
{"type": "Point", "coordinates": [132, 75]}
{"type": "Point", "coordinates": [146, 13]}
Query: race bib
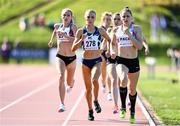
{"type": "Point", "coordinates": [124, 41]}
{"type": "Point", "coordinates": [91, 43]}
{"type": "Point", "coordinates": [61, 38]}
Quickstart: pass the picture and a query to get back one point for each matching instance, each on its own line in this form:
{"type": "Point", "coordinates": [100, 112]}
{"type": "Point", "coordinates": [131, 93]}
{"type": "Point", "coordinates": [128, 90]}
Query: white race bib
{"type": "Point", "coordinates": [124, 41]}
{"type": "Point", "coordinates": [91, 43]}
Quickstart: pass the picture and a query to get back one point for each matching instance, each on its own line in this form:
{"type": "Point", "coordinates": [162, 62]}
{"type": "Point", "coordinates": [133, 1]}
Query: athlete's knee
{"type": "Point", "coordinates": [113, 80]}
{"type": "Point", "coordinates": [124, 81]}
{"type": "Point", "coordinates": [115, 84]}
{"type": "Point", "coordinates": [94, 81]}
{"type": "Point", "coordinates": [132, 91]}
{"type": "Point", "coordinates": [70, 82]}
{"type": "Point", "coordinates": [88, 90]}
{"type": "Point", "coordinates": [61, 77]}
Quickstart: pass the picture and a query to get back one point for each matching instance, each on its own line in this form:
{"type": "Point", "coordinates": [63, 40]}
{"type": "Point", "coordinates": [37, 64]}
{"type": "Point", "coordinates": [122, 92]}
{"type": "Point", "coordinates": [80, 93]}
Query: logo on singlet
{"type": "Point", "coordinates": [123, 39]}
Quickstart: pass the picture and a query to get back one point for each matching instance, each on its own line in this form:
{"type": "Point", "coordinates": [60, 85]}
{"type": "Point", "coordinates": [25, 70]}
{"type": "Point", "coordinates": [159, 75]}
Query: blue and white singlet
{"type": "Point", "coordinates": [93, 40]}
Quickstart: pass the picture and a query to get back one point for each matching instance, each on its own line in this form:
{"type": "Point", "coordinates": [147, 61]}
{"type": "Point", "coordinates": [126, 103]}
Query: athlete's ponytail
{"type": "Point", "coordinates": [104, 14]}
{"type": "Point", "coordinates": [89, 11]}
{"type": "Point", "coordinates": [127, 9]}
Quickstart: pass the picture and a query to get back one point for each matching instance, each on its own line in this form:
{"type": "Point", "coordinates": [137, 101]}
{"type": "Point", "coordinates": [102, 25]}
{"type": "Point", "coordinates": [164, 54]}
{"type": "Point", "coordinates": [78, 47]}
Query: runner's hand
{"type": "Point", "coordinates": [146, 51]}
{"type": "Point", "coordinates": [113, 55]}
{"type": "Point", "coordinates": [50, 44]}
{"type": "Point", "coordinates": [107, 53]}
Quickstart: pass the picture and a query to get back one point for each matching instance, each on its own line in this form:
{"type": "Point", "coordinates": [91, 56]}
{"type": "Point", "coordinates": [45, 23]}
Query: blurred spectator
{"type": "Point", "coordinates": [34, 20]}
{"type": "Point", "coordinates": [174, 54]}
{"type": "Point", "coordinates": [39, 20]}
{"type": "Point", "coordinates": [154, 27]}
{"type": "Point", "coordinates": [6, 50]}
{"type": "Point", "coordinates": [163, 24]}
{"type": "Point", "coordinates": [177, 56]}
{"type": "Point", "coordinates": [23, 24]}
{"type": "Point", "coordinates": [17, 48]}
{"type": "Point", "coordinates": [51, 25]}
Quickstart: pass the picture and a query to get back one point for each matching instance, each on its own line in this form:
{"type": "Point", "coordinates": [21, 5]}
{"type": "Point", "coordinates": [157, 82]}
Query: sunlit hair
{"type": "Point", "coordinates": [126, 9]}
{"type": "Point", "coordinates": [114, 17]}
{"type": "Point", "coordinates": [104, 15]}
{"type": "Point", "coordinates": [89, 11]}
{"type": "Point", "coordinates": [67, 10]}
{"type": "Point", "coordinates": [116, 14]}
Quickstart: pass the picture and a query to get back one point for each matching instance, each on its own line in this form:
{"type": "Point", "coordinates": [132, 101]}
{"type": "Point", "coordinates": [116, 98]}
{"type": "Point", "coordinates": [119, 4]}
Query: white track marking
{"type": "Point", "coordinates": [145, 112]}
{"type": "Point", "coordinates": [46, 85]}
{"type": "Point", "coordinates": [23, 78]}
{"type": "Point", "coordinates": [74, 108]}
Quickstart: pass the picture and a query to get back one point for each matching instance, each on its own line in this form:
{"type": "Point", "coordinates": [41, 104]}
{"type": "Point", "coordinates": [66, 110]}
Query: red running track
{"type": "Point", "coordinates": [29, 96]}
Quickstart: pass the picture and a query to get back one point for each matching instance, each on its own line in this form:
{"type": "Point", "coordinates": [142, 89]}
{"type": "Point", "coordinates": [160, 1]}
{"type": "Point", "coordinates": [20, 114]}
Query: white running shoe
{"type": "Point", "coordinates": [61, 108]}
{"type": "Point", "coordinates": [104, 89]}
{"type": "Point", "coordinates": [109, 97]}
{"type": "Point", "coordinates": [68, 89]}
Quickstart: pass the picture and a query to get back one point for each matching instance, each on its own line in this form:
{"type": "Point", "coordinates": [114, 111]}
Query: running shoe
{"type": "Point", "coordinates": [104, 89]}
{"type": "Point", "coordinates": [109, 97]}
{"type": "Point", "coordinates": [122, 113]}
{"type": "Point", "coordinates": [115, 109]}
{"type": "Point", "coordinates": [97, 107]}
{"type": "Point", "coordinates": [90, 115]}
{"type": "Point", "coordinates": [61, 108]}
{"type": "Point", "coordinates": [132, 119]}
{"type": "Point", "coordinates": [129, 103]}
{"type": "Point", "coordinates": [68, 89]}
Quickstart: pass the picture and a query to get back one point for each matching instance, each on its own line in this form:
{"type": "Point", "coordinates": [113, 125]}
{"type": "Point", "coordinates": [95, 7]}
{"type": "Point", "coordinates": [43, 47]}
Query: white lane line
{"type": "Point", "coordinates": [23, 78]}
{"type": "Point", "coordinates": [146, 113]}
{"type": "Point", "coordinates": [74, 108]}
{"type": "Point", "coordinates": [46, 85]}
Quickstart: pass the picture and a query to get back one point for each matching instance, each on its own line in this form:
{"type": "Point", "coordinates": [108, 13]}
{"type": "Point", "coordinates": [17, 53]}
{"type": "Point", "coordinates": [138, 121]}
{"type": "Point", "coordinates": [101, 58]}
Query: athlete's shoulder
{"type": "Point", "coordinates": [115, 29]}
{"type": "Point", "coordinates": [101, 29]}
{"type": "Point", "coordinates": [137, 27]}
{"type": "Point", "coordinates": [80, 31]}
{"type": "Point", "coordinates": [56, 25]}
{"type": "Point", "coordinates": [109, 30]}
{"type": "Point", "coordinates": [74, 26]}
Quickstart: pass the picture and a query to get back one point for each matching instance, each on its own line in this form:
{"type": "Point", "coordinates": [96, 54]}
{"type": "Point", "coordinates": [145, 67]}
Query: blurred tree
{"type": "Point", "coordinates": [161, 2]}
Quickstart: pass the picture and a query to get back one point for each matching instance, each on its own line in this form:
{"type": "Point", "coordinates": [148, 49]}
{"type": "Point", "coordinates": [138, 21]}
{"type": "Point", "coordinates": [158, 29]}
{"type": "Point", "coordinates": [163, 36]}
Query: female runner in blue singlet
{"type": "Point", "coordinates": [90, 38]}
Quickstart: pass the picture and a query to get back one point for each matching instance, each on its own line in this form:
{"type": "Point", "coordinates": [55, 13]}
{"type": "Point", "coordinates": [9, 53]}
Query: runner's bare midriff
{"type": "Point", "coordinates": [64, 49]}
{"type": "Point", "coordinates": [128, 52]}
{"type": "Point", "coordinates": [91, 54]}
